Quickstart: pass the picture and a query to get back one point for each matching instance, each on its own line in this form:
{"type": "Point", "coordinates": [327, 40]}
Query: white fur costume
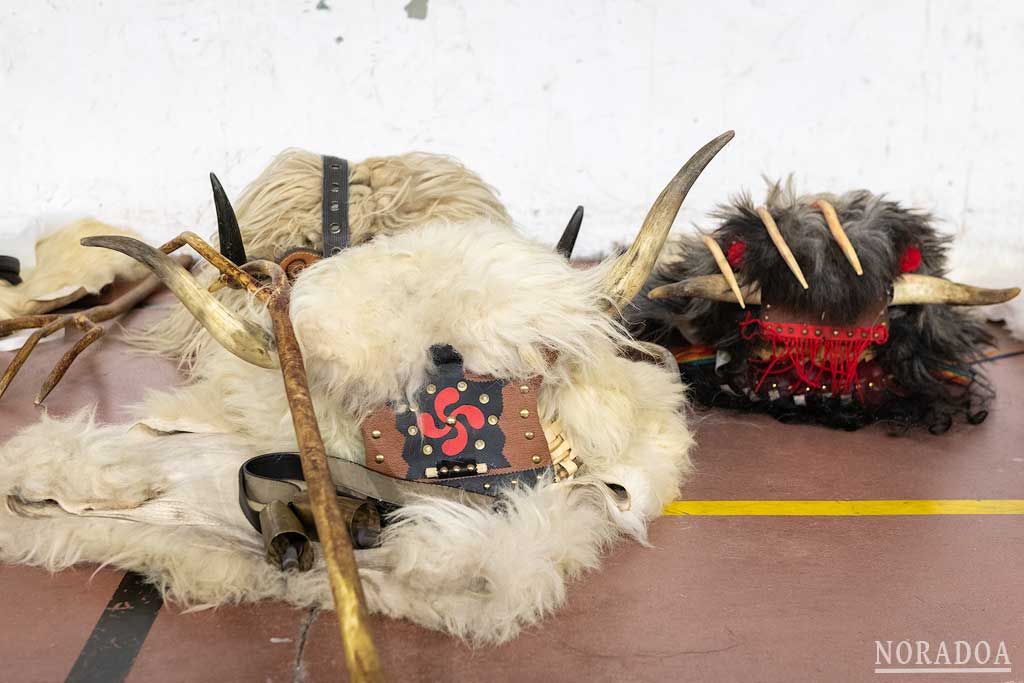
{"type": "Point", "coordinates": [161, 498]}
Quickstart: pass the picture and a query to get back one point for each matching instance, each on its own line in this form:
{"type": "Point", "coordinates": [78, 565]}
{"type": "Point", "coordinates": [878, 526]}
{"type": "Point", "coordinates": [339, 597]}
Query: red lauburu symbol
{"type": "Point", "coordinates": [456, 443]}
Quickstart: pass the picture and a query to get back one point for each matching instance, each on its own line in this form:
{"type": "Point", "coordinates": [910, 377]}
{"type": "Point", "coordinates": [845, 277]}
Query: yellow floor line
{"type": "Point", "coordinates": [842, 508]}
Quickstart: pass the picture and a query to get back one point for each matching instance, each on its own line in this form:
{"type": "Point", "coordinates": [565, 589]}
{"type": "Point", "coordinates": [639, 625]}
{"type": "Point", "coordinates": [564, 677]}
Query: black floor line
{"type": "Point", "coordinates": [118, 636]}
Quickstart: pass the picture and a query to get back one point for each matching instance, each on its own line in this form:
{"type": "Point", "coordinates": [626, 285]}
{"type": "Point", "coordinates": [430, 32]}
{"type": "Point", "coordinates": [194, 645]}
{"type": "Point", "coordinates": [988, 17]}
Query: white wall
{"type": "Point", "coordinates": [121, 108]}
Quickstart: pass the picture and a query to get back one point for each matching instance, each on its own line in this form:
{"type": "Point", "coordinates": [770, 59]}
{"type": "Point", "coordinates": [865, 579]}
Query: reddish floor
{"type": "Point", "coordinates": [715, 598]}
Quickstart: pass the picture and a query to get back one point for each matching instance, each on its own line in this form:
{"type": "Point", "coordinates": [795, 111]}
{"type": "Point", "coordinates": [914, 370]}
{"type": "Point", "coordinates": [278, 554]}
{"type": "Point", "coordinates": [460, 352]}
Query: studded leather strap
{"type": "Point", "coordinates": [335, 205]}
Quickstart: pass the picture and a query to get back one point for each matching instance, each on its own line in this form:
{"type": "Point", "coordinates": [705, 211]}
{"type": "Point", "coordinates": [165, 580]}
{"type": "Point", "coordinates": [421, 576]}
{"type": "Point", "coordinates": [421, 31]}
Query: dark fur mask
{"type": "Point", "coordinates": [923, 373]}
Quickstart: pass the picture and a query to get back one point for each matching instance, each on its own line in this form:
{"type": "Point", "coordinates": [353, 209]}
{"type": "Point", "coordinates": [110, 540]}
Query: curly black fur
{"type": "Point", "coordinates": [923, 340]}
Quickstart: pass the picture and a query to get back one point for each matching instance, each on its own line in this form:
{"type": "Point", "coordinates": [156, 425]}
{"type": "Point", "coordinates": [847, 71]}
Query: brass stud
{"type": "Point", "coordinates": [479, 444]}
{"type": "Point", "coordinates": [536, 459]}
{"type": "Point", "coordinates": [471, 467]}
{"type": "Point", "coordinates": [431, 388]}
{"type": "Point", "coordinates": [443, 470]}
{"type": "Point", "coordinates": [514, 482]}
{"type": "Point", "coordinates": [871, 385]}
{"type": "Point", "coordinates": [835, 333]}
{"type": "Point", "coordinates": [484, 398]}
{"type": "Point", "coordinates": [379, 458]}
{"type": "Point", "coordinates": [524, 388]}
{"type": "Point", "coordinates": [456, 469]}
{"type": "Point", "coordinates": [774, 385]}
{"type": "Point", "coordinates": [462, 386]}
{"type": "Point", "coordinates": [528, 435]}
{"type": "Point", "coordinates": [524, 413]}
{"type": "Point", "coordinates": [450, 421]}
{"type": "Point", "coordinates": [487, 487]}
{"type": "Point", "coordinates": [849, 333]}
{"type": "Point", "coordinates": [492, 420]}
{"type": "Point", "coordinates": [428, 449]}
{"type": "Point", "coordinates": [413, 431]}
{"type": "Point", "coordinates": [805, 330]}
{"type": "Point", "coordinates": [817, 333]}
{"type": "Point", "coordinates": [375, 433]}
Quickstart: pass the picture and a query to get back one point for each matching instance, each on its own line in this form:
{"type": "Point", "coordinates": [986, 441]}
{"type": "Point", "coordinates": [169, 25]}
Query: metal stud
{"type": "Point", "coordinates": [524, 388]}
{"type": "Point", "coordinates": [412, 430]}
{"type": "Point", "coordinates": [479, 444]}
{"type": "Point", "coordinates": [487, 487]}
{"type": "Point", "coordinates": [375, 433]}
{"type": "Point", "coordinates": [817, 333]}
{"type": "Point", "coordinates": [456, 469]}
{"type": "Point", "coordinates": [471, 467]}
{"type": "Point", "coordinates": [484, 398]}
{"type": "Point", "coordinates": [450, 421]}
{"type": "Point", "coordinates": [443, 470]}
{"type": "Point", "coordinates": [524, 413]}
{"type": "Point", "coordinates": [805, 330]}
{"type": "Point", "coordinates": [536, 459]}
{"type": "Point", "coordinates": [379, 458]}
{"type": "Point", "coordinates": [428, 449]}
{"type": "Point", "coordinates": [528, 435]}
{"type": "Point", "coordinates": [335, 228]}
{"type": "Point", "coordinates": [835, 333]}
{"type": "Point", "coordinates": [492, 420]}
{"type": "Point", "coordinates": [462, 386]}
{"type": "Point", "coordinates": [431, 388]}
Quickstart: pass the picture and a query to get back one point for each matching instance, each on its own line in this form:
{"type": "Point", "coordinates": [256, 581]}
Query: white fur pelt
{"type": "Point", "coordinates": [65, 270]}
{"type": "Point", "coordinates": [282, 210]}
{"type": "Point", "coordinates": [162, 499]}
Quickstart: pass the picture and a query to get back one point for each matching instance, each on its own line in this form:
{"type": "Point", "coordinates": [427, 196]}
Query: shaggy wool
{"type": "Point", "coordinates": [160, 496]}
{"type": "Point", "coordinates": [281, 210]}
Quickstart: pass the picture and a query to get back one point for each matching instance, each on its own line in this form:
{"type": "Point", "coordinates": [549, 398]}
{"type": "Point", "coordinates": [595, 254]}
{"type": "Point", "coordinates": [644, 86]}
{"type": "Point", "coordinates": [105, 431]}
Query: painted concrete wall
{"type": "Point", "coordinates": [121, 108]}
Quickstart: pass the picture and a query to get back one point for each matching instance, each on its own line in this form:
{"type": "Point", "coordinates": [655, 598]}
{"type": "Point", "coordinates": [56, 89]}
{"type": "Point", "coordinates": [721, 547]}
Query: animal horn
{"type": "Point", "coordinates": [712, 287]}
{"type": "Point", "coordinates": [924, 289]}
{"type": "Point", "coordinates": [230, 235]}
{"type": "Point", "coordinates": [568, 240]}
{"type": "Point", "coordinates": [630, 271]}
{"type": "Point", "coordinates": [780, 244]}
{"type": "Point", "coordinates": [723, 265]}
{"type": "Point", "coordinates": [241, 337]}
{"type": "Point", "coordinates": [839, 235]}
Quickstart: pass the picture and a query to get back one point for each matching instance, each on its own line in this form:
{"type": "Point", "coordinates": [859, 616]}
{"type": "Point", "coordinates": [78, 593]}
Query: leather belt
{"type": "Point", "coordinates": [335, 205]}
{"type": "Point", "coordinates": [10, 269]}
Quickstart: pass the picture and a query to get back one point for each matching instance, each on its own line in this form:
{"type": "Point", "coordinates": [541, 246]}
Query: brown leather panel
{"type": "Point", "coordinates": [517, 418]}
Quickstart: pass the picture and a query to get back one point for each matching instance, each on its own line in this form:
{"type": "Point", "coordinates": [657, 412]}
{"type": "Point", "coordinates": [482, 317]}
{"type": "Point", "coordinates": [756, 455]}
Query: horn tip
{"type": "Point", "coordinates": [659, 293]}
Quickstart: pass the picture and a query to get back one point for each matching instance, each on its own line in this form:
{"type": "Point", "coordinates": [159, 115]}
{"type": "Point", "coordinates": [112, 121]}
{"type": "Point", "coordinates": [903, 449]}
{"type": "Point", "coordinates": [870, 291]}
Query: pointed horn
{"type": "Point", "coordinates": [723, 265]}
{"type": "Point", "coordinates": [568, 240]}
{"type": "Point", "coordinates": [711, 287]}
{"type": "Point", "coordinates": [780, 244]}
{"type": "Point", "coordinates": [924, 289]}
{"type": "Point", "coordinates": [628, 273]}
{"type": "Point", "coordinates": [230, 235]}
{"type": "Point", "coordinates": [838, 234]}
{"type": "Point", "coordinates": [241, 337]}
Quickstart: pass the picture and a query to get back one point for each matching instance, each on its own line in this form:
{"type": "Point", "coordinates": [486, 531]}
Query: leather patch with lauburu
{"type": "Point", "coordinates": [471, 431]}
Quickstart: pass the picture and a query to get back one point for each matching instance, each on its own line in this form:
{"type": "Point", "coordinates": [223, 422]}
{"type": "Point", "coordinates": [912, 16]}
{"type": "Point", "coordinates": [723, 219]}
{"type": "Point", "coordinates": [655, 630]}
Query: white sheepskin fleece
{"type": "Point", "coordinates": [161, 498]}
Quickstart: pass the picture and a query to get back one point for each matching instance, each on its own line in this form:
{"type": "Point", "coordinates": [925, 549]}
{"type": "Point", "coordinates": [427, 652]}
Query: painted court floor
{"type": "Point", "coordinates": [765, 586]}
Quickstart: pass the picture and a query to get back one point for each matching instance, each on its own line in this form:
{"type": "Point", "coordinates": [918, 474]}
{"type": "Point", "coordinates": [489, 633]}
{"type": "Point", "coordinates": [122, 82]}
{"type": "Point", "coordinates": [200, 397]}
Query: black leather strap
{"type": "Point", "coordinates": [335, 205]}
{"type": "Point", "coordinates": [10, 267]}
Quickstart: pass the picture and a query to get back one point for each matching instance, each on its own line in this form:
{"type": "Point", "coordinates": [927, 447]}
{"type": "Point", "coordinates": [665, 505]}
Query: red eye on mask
{"type": "Point", "coordinates": [911, 259]}
{"type": "Point", "coordinates": [734, 255]}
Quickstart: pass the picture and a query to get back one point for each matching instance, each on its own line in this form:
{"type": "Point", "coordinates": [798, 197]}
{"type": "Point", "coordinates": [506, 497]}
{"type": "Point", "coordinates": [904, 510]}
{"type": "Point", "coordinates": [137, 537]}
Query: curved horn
{"type": "Point", "coordinates": [572, 231]}
{"type": "Point", "coordinates": [925, 289]}
{"type": "Point", "coordinates": [630, 271]}
{"type": "Point", "coordinates": [780, 244]}
{"type": "Point", "coordinates": [724, 267]}
{"type": "Point", "coordinates": [712, 287]}
{"type": "Point", "coordinates": [838, 234]}
{"type": "Point", "coordinates": [228, 232]}
{"type": "Point", "coordinates": [242, 338]}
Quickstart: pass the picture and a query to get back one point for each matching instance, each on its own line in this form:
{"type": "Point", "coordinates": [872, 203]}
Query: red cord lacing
{"type": "Point", "coordinates": [814, 353]}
